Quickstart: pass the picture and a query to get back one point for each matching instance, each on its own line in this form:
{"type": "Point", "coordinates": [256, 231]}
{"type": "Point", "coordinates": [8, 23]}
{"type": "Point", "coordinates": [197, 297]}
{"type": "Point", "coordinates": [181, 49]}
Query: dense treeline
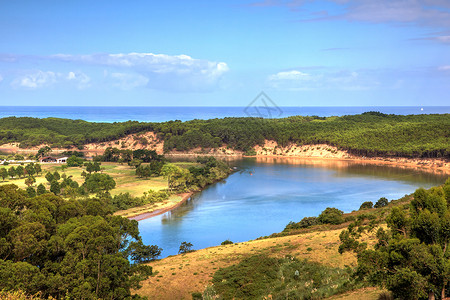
{"type": "Point", "coordinates": [71, 249]}
{"type": "Point", "coordinates": [63, 132]}
{"type": "Point", "coordinates": [367, 134]}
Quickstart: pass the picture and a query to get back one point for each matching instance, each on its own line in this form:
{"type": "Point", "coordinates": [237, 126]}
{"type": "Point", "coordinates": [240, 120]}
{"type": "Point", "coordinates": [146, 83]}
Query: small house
{"type": "Point", "coordinates": [47, 159]}
{"type": "Point", "coordinates": [61, 160]}
{"type": "Point", "coordinates": [55, 160]}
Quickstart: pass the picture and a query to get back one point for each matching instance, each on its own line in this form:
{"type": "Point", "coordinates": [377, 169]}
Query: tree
{"type": "Point", "coordinates": [97, 182]}
{"type": "Point", "coordinates": [56, 176]}
{"type": "Point", "coordinates": [31, 191]}
{"type": "Point", "coordinates": [30, 180]}
{"type": "Point", "coordinates": [12, 172]}
{"type": "Point", "coordinates": [41, 189]}
{"type": "Point", "coordinates": [331, 215]}
{"type": "Point", "coordinates": [185, 247]}
{"type": "Point", "coordinates": [49, 176]}
{"type": "Point", "coordinates": [366, 205]}
{"type": "Point", "coordinates": [135, 163]}
{"type": "Point", "coordinates": [382, 202]}
{"type": "Point", "coordinates": [30, 170]}
{"type": "Point", "coordinates": [44, 151]}
{"type": "Point", "coordinates": [411, 258]}
{"type": "Point", "coordinates": [67, 249]}
{"type": "Point", "coordinates": [74, 161]}
{"type": "Point", "coordinates": [55, 187]}
{"type": "Point", "coordinates": [3, 173]}
{"type": "Point", "coordinates": [89, 167]}
{"type": "Point", "coordinates": [96, 166]}
{"type": "Point", "coordinates": [20, 171]}
{"type": "Point", "coordinates": [37, 168]}
{"type": "Point", "coordinates": [141, 253]}
{"type": "Point", "coordinates": [176, 176]}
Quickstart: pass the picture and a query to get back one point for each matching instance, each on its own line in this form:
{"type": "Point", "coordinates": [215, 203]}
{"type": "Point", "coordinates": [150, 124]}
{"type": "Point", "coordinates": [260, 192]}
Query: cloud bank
{"type": "Point", "coordinates": [174, 73]}
{"type": "Point", "coordinates": [295, 80]}
{"type": "Point", "coordinates": [41, 79]}
{"type": "Point", "coordinates": [156, 71]}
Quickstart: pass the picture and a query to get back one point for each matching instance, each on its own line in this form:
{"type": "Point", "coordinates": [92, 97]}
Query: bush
{"type": "Point", "coordinates": [349, 219]}
{"type": "Point", "coordinates": [250, 152]}
{"type": "Point", "coordinates": [382, 202]}
{"type": "Point", "coordinates": [331, 215]}
{"type": "Point", "coordinates": [258, 276]}
{"type": "Point", "coordinates": [227, 242]}
{"type": "Point", "coordinates": [75, 161]}
{"type": "Point", "coordinates": [304, 223]}
{"type": "Point", "coordinates": [366, 205]}
{"type": "Point", "coordinates": [185, 247]}
{"type": "Point", "coordinates": [307, 222]}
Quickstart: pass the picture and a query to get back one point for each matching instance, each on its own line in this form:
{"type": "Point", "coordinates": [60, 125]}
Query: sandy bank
{"type": "Point", "coordinates": [152, 210]}
{"type": "Point", "coordinates": [270, 149]}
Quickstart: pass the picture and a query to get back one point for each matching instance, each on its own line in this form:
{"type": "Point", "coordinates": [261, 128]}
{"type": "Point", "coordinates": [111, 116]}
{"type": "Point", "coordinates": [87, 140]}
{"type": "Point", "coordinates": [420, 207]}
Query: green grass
{"type": "Point", "coordinates": [126, 180]}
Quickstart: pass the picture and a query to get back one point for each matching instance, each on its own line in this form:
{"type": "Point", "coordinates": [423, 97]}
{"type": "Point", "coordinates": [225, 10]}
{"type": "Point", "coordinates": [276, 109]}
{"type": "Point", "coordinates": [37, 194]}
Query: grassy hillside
{"type": "Point", "coordinates": [368, 134]}
{"type": "Point", "coordinates": [181, 276]}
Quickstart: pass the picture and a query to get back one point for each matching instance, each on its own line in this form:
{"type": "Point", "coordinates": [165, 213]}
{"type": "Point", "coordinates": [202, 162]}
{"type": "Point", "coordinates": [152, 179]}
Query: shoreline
{"type": "Point", "coordinates": [427, 165]}
{"type": "Point", "coordinates": [147, 214]}
{"type": "Point", "coordinates": [424, 164]}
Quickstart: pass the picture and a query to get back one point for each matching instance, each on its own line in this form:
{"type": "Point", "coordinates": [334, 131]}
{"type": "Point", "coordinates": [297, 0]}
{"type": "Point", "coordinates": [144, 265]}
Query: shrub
{"type": "Point", "coordinates": [331, 215]}
{"type": "Point", "coordinates": [258, 276]}
{"type": "Point", "coordinates": [366, 205]}
{"type": "Point", "coordinates": [382, 202]}
{"type": "Point", "coordinates": [250, 152]}
{"type": "Point", "coordinates": [75, 161]}
{"type": "Point", "coordinates": [227, 242]}
{"type": "Point", "coordinates": [349, 219]}
{"type": "Point", "coordinates": [185, 247]}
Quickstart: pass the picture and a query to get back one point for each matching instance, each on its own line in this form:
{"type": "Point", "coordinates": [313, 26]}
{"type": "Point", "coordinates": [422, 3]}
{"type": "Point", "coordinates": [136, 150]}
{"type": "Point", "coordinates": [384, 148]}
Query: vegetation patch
{"type": "Point", "coordinates": [261, 276]}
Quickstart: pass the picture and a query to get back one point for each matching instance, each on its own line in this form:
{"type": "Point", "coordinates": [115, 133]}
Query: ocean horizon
{"type": "Point", "coordinates": [109, 114]}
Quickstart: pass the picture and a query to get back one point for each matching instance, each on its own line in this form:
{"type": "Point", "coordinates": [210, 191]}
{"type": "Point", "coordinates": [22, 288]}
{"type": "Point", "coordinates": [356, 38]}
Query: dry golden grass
{"type": "Point", "coordinates": [177, 277]}
{"type": "Point", "coordinates": [369, 293]}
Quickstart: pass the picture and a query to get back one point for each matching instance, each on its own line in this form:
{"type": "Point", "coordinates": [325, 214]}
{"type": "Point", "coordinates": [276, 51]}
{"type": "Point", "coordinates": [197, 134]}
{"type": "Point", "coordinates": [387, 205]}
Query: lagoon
{"type": "Point", "coordinates": [265, 194]}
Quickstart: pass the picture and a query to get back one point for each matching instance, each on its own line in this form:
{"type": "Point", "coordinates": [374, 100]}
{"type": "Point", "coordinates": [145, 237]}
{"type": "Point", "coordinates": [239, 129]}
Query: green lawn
{"type": "Point", "coordinates": [126, 180]}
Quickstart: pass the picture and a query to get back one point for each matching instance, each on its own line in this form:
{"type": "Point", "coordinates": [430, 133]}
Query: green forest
{"type": "Point", "coordinates": [72, 249]}
{"type": "Point", "coordinates": [367, 134]}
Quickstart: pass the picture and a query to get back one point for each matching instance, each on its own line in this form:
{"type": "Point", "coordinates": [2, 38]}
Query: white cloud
{"type": "Point", "coordinates": [296, 80]}
{"type": "Point", "coordinates": [81, 80]}
{"type": "Point", "coordinates": [35, 80]}
{"type": "Point", "coordinates": [289, 75]}
{"type": "Point", "coordinates": [39, 79]}
{"type": "Point", "coordinates": [127, 81]}
{"type": "Point", "coordinates": [166, 72]}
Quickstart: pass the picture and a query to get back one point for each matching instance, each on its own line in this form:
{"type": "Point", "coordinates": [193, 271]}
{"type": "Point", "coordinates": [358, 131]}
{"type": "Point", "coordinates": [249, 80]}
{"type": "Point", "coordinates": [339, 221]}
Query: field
{"type": "Point", "coordinates": [177, 277]}
{"type": "Point", "coordinates": [126, 180]}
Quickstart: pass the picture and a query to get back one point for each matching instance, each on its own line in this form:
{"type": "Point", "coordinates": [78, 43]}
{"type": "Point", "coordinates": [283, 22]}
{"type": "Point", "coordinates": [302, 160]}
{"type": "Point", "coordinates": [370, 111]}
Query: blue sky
{"type": "Point", "coordinates": [224, 53]}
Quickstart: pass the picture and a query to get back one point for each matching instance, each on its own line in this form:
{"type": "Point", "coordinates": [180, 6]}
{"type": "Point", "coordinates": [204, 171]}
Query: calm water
{"type": "Point", "coordinates": [161, 114]}
{"type": "Point", "coordinates": [265, 195]}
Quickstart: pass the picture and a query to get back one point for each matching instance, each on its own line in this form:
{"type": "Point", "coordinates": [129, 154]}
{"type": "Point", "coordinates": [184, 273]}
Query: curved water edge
{"type": "Point", "coordinates": [265, 195]}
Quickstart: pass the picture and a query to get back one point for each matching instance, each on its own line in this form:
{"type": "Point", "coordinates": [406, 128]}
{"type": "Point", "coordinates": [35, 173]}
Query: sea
{"type": "Point", "coordinates": [110, 114]}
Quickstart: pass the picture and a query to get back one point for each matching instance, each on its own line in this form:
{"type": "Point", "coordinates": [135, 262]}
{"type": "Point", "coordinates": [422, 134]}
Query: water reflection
{"type": "Point", "coordinates": [265, 194]}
